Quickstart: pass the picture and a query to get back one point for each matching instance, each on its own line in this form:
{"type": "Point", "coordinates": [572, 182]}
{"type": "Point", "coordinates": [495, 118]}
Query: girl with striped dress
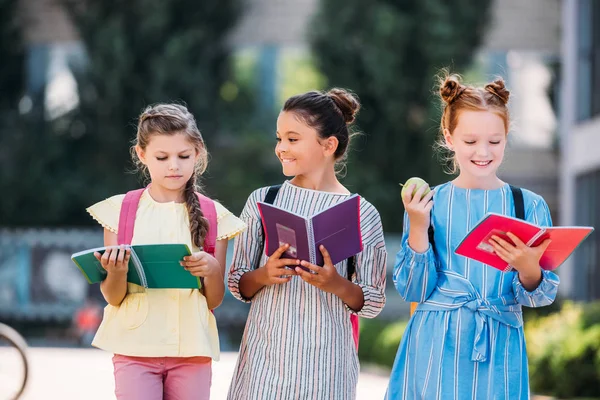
{"type": "Point", "coordinates": [465, 340]}
{"type": "Point", "coordinates": [298, 341]}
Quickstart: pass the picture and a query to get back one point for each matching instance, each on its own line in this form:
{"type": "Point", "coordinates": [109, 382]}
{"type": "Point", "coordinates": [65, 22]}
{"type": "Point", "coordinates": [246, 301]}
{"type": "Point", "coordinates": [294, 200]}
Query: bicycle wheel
{"type": "Point", "coordinates": [13, 363]}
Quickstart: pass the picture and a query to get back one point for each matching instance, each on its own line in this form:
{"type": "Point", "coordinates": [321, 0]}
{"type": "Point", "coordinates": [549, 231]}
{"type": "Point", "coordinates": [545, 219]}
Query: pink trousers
{"type": "Point", "coordinates": [162, 378]}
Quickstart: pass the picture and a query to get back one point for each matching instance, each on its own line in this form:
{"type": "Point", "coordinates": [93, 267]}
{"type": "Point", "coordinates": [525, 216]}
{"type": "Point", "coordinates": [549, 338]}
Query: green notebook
{"type": "Point", "coordinates": [153, 266]}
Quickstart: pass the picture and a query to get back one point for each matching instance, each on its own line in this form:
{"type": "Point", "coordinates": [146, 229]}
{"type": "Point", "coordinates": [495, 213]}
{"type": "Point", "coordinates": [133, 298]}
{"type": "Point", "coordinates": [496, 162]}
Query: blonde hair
{"type": "Point", "coordinates": [172, 119]}
{"type": "Point", "coordinates": [457, 97]}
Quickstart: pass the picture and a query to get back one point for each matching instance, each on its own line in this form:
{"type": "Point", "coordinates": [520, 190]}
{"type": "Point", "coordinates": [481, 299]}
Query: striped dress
{"type": "Point", "coordinates": [298, 340]}
{"type": "Point", "coordinates": [465, 341]}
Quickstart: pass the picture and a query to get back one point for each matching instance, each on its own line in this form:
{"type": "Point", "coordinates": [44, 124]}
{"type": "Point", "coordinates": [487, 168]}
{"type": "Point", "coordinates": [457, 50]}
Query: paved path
{"type": "Point", "coordinates": [65, 373]}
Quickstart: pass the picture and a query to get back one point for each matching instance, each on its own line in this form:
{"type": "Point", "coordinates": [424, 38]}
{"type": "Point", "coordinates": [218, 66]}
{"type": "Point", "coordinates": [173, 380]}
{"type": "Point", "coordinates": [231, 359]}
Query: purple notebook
{"type": "Point", "coordinates": [337, 228]}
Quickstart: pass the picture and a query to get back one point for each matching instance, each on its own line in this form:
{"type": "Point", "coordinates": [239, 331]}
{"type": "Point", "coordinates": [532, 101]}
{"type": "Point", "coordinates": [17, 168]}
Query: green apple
{"type": "Point", "coordinates": [418, 182]}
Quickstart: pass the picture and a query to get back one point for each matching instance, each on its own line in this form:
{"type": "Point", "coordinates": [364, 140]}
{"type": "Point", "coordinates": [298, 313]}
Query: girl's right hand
{"type": "Point", "coordinates": [418, 207]}
{"type": "Point", "coordinates": [115, 261]}
{"type": "Point", "coordinates": [275, 271]}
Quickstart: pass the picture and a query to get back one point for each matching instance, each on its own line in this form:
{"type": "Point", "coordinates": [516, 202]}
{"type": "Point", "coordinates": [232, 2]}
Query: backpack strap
{"type": "Point", "coordinates": [269, 199]}
{"type": "Point", "coordinates": [210, 213]}
{"type": "Point", "coordinates": [127, 216]}
{"type": "Point", "coordinates": [517, 194]}
{"type": "Point", "coordinates": [272, 194]}
{"type": "Point", "coordinates": [353, 317]}
{"type": "Point", "coordinates": [430, 235]}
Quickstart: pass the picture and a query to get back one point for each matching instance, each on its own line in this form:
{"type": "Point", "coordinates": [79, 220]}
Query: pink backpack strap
{"type": "Point", "coordinates": [127, 216]}
{"type": "Point", "coordinates": [210, 213]}
{"type": "Point", "coordinates": [355, 328]}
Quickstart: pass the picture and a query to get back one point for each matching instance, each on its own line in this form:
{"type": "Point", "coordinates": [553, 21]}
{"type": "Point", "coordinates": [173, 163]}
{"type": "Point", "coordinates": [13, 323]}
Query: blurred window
{"type": "Point", "coordinates": [587, 256]}
{"type": "Point", "coordinates": [588, 63]}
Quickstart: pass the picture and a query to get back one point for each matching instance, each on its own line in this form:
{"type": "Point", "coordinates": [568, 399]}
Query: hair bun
{"type": "Point", "coordinates": [346, 102]}
{"type": "Point", "coordinates": [498, 89]}
{"type": "Point", "coordinates": [450, 88]}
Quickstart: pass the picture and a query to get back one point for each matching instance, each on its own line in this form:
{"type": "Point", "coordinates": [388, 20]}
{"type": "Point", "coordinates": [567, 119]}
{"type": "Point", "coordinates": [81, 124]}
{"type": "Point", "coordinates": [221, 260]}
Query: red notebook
{"type": "Point", "coordinates": [565, 239]}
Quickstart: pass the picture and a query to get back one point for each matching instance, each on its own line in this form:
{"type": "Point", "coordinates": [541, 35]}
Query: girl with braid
{"type": "Point", "coordinates": [165, 339]}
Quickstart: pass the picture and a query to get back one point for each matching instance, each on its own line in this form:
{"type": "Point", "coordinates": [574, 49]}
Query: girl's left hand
{"type": "Point", "coordinates": [523, 258]}
{"type": "Point", "coordinates": [325, 278]}
{"type": "Point", "coordinates": [201, 264]}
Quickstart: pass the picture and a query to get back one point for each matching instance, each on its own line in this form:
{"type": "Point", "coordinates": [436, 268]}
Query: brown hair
{"type": "Point", "coordinates": [329, 113]}
{"type": "Point", "coordinates": [457, 97]}
{"type": "Point", "coordinates": [171, 119]}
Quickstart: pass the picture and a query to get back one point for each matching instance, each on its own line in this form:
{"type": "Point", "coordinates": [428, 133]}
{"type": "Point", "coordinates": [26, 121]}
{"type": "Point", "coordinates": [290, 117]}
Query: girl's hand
{"type": "Point", "coordinates": [275, 271]}
{"type": "Point", "coordinates": [418, 207]}
{"type": "Point", "coordinates": [525, 259]}
{"type": "Point", "coordinates": [201, 264]}
{"type": "Point", "coordinates": [115, 261]}
{"type": "Point", "coordinates": [325, 278]}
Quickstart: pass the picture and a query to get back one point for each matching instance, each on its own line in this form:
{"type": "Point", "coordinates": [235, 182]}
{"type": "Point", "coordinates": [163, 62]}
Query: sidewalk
{"type": "Point", "coordinates": [75, 374]}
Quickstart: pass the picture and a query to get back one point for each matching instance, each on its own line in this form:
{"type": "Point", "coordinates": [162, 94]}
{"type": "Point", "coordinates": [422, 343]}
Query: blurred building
{"type": "Point", "coordinates": [523, 46]}
{"type": "Point", "coordinates": [580, 142]}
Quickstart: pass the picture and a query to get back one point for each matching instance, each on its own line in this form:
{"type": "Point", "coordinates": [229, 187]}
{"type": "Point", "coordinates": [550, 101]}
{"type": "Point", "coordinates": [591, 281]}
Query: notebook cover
{"type": "Point", "coordinates": [160, 263]}
{"type": "Point", "coordinates": [477, 247]}
{"type": "Point", "coordinates": [337, 228]}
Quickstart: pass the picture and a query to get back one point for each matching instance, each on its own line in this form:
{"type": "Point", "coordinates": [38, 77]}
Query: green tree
{"type": "Point", "coordinates": [139, 52]}
{"type": "Point", "coordinates": [12, 82]}
{"type": "Point", "coordinates": [12, 54]}
{"type": "Point", "coordinates": [387, 52]}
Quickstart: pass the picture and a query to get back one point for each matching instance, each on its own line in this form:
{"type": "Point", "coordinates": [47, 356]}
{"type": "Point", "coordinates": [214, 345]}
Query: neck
{"type": "Point", "coordinates": [324, 181]}
{"type": "Point", "coordinates": [163, 195]}
{"type": "Point", "coordinates": [471, 182]}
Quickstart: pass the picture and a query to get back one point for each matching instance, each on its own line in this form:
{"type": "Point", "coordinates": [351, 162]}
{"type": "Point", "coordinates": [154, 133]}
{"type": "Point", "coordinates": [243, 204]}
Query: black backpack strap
{"type": "Point", "coordinates": [517, 194]}
{"type": "Point", "coordinates": [269, 199]}
{"type": "Point", "coordinates": [351, 267]}
{"type": "Point", "coordinates": [430, 230]}
{"type": "Point", "coordinates": [430, 235]}
{"type": "Point", "coordinates": [272, 194]}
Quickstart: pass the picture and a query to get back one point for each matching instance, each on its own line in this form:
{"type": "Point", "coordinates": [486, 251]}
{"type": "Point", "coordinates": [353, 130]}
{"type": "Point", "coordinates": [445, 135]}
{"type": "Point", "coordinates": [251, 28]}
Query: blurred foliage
{"type": "Point", "coordinates": [298, 74]}
{"type": "Point", "coordinates": [379, 341]}
{"type": "Point", "coordinates": [137, 53]}
{"type": "Point", "coordinates": [387, 53]}
{"type": "Point", "coordinates": [12, 54]}
{"type": "Point", "coordinates": [564, 351]}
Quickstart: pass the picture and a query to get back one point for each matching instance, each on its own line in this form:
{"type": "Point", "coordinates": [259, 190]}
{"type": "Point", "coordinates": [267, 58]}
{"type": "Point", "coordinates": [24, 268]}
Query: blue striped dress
{"type": "Point", "coordinates": [298, 341]}
{"type": "Point", "coordinates": [465, 341]}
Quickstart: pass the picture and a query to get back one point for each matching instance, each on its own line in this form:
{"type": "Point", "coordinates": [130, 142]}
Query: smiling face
{"type": "Point", "coordinates": [170, 160]}
{"type": "Point", "coordinates": [299, 148]}
{"type": "Point", "coordinates": [478, 143]}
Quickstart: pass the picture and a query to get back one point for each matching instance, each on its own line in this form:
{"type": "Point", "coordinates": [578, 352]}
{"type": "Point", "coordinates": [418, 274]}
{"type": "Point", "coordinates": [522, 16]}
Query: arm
{"type": "Point", "coordinates": [114, 287]}
{"type": "Point", "coordinates": [415, 275]}
{"type": "Point", "coordinates": [365, 295]}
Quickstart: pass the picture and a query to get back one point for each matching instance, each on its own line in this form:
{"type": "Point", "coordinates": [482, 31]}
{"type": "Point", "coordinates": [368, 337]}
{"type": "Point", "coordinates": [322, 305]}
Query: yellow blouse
{"type": "Point", "coordinates": [160, 322]}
